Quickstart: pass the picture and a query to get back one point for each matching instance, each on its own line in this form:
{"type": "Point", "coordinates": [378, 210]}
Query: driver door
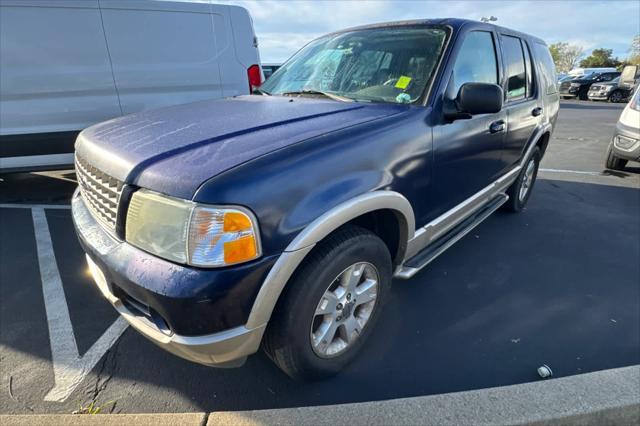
{"type": "Point", "coordinates": [468, 152]}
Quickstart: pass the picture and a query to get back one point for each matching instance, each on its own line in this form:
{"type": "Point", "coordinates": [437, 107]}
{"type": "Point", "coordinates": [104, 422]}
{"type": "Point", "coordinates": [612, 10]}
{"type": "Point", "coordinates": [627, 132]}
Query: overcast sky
{"type": "Point", "coordinates": [283, 26]}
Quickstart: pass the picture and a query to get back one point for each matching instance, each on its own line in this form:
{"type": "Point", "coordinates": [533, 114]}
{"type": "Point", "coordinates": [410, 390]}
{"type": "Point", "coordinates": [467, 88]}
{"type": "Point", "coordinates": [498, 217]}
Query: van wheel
{"type": "Point", "coordinates": [520, 190]}
{"type": "Point", "coordinates": [330, 307]}
{"type": "Point", "coordinates": [612, 162]}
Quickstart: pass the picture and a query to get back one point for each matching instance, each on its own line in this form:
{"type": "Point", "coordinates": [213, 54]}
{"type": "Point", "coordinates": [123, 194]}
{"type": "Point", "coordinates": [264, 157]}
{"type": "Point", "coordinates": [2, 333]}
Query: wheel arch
{"type": "Point", "coordinates": [540, 138]}
{"type": "Point", "coordinates": [365, 210]}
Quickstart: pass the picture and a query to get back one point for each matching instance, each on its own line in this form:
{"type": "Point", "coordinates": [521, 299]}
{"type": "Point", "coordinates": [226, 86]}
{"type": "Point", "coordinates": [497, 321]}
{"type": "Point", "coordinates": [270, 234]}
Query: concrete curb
{"type": "Point", "coordinates": [165, 419]}
{"type": "Point", "coordinates": [604, 397]}
{"type": "Point", "coordinates": [610, 397]}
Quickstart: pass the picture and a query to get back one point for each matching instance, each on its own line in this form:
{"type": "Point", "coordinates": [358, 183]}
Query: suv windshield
{"type": "Point", "coordinates": [376, 65]}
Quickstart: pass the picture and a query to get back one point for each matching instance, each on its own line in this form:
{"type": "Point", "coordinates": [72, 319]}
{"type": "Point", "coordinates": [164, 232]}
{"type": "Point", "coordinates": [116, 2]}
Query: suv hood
{"type": "Point", "coordinates": [174, 150]}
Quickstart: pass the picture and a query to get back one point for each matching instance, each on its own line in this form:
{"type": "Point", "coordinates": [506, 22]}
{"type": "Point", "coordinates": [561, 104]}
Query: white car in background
{"type": "Point", "coordinates": [67, 64]}
{"type": "Point", "coordinates": [579, 72]}
{"type": "Point", "coordinates": [625, 145]}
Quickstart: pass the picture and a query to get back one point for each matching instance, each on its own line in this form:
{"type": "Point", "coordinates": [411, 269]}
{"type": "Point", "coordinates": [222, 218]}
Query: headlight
{"type": "Point", "coordinates": [191, 233]}
{"type": "Point", "coordinates": [575, 84]}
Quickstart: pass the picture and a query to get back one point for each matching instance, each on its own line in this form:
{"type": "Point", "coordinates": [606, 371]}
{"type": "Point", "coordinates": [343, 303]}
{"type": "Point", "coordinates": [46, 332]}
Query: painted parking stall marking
{"type": "Point", "coordinates": [69, 367]}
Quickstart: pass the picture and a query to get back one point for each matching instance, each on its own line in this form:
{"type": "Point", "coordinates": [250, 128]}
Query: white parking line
{"type": "Point", "coordinates": [35, 206]}
{"type": "Point", "coordinates": [577, 172]}
{"type": "Point", "coordinates": [69, 367]}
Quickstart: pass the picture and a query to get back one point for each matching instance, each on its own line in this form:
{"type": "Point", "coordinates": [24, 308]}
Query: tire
{"type": "Point", "coordinates": [518, 196]}
{"type": "Point", "coordinates": [616, 96]}
{"type": "Point", "coordinates": [612, 162]}
{"type": "Point", "coordinates": [582, 95]}
{"type": "Point", "coordinates": [289, 338]}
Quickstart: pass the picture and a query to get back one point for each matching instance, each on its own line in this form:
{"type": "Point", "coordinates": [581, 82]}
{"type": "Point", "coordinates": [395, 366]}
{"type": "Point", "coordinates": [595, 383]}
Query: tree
{"type": "Point", "coordinates": [634, 51]}
{"type": "Point", "coordinates": [565, 56]}
{"type": "Point", "coordinates": [600, 58]}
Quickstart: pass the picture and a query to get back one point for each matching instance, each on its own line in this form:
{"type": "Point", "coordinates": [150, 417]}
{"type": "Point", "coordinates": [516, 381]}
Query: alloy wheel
{"type": "Point", "coordinates": [344, 310]}
{"type": "Point", "coordinates": [527, 180]}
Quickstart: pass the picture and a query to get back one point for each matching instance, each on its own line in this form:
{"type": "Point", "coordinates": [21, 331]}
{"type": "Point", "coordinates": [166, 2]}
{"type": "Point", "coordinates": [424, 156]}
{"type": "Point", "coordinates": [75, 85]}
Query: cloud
{"type": "Point", "coordinates": [285, 26]}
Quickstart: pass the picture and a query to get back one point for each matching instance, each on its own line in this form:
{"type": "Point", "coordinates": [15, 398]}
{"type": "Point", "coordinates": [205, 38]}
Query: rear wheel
{"type": "Point", "coordinates": [331, 305]}
{"type": "Point", "coordinates": [612, 162]}
{"type": "Point", "coordinates": [520, 190]}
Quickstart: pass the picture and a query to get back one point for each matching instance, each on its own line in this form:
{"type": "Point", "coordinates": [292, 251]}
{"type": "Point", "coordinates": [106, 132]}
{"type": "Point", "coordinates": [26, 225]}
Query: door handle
{"type": "Point", "coordinates": [536, 111]}
{"type": "Point", "coordinates": [497, 126]}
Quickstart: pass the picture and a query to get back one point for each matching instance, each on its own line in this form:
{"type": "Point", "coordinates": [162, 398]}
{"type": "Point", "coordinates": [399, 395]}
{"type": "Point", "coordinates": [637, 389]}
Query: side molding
{"type": "Point", "coordinates": [317, 230]}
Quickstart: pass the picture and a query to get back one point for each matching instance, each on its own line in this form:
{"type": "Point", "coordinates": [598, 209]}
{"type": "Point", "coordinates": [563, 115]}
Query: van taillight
{"type": "Point", "coordinates": [255, 77]}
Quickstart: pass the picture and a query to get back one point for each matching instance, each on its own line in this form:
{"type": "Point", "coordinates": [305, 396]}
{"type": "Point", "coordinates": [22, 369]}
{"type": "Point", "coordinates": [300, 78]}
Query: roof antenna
{"type": "Point", "coordinates": [489, 19]}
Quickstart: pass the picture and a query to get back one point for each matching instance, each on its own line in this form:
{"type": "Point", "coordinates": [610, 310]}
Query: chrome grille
{"type": "Point", "coordinates": [565, 85]}
{"type": "Point", "coordinates": [100, 192]}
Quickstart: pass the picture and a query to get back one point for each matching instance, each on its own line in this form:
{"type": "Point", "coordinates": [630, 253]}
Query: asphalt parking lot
{"type": "Point", "coordinates": [558, 284]}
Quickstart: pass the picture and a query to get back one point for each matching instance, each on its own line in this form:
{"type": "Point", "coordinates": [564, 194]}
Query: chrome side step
{"type": "Point", "coordinates": [428, 254]}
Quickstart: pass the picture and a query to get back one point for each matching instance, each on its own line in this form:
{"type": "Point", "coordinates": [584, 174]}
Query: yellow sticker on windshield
{"type": "Point", "coordinates": [403, 82]}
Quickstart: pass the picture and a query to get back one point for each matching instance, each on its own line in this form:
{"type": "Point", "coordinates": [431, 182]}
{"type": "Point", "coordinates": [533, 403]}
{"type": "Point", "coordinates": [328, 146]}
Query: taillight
{"type": "Point", "coordinates": [255, 77]}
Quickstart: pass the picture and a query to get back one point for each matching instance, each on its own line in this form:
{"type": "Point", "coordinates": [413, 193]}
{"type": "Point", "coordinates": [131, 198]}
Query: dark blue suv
{"type": "Point", "coordinates": [280, 218]}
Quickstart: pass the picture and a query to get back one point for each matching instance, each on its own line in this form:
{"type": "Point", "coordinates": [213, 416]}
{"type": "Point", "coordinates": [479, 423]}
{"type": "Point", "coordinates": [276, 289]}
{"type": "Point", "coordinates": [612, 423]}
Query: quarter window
{"type": "Point", "coordinates": [476, 61]}
{"type": "Point", "coordinates": [546, 67]}
{"type": "Point", "coordinates": [515, 68]}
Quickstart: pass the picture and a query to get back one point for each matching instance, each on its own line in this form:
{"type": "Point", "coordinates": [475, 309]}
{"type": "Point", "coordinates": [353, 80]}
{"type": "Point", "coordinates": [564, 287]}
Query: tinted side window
{"type": "Point", "coordinates": [515, 68]}
{"type": "Point", "coordinates": [546, 67]}
{"type": "Point", "coordinates": [476, 61]}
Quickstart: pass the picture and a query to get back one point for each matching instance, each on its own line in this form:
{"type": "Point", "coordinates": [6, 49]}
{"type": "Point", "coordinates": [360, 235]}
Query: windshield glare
{"type": "Point", "coordinates": [377, 65]}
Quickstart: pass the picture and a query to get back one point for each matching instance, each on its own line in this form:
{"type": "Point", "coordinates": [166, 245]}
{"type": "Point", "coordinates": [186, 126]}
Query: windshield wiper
{"type": "Point", "coordinates": [319, 92]}
{"type": "Point", "coordinates": [261, 91]}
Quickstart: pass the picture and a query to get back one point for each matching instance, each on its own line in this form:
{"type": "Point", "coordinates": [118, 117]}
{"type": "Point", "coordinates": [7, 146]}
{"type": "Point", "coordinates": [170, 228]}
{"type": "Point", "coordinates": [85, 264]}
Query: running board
{"type": "Point", "coordinates": [435, 249]}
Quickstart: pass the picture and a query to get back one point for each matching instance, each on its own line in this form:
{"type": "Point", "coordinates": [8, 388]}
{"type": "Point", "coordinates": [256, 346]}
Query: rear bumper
{"type": "Point", "coordinates": [223, 348]}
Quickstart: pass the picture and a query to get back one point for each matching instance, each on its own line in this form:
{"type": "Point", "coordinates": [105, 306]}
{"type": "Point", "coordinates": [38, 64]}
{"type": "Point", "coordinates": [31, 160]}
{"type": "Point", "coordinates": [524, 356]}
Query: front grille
{"type": "Point", "coordinates": [100, 192]}
{"type": "Point", "coordinates": [565, 85]}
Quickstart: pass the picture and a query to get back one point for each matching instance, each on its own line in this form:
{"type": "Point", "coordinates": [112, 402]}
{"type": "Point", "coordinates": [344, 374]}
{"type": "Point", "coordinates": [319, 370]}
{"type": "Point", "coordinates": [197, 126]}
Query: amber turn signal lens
{"type": "Point", "coordinates": [240, 250]}
{"type": "Point", "coordinates": [236, 221]}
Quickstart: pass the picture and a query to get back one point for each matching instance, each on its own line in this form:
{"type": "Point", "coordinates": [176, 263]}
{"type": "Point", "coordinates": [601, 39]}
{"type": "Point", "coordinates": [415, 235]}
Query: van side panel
{"type": "Point", "coordinates": [161, 55]}
{"type": "Point", "coordinates": [55, 74]}
{"type": "Point", "coordinates": [237, 47]}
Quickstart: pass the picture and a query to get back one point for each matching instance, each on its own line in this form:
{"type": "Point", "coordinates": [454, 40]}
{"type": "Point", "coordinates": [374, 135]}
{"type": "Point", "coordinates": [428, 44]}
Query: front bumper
{"type": "Point", "coordinates": [630, 152]}
{"type": "Point", "coordinates": [570, 92]}
{"type": "Point", "coordinates": [598, 96]}
{"type": "Point", "coordinates": [146, 299]}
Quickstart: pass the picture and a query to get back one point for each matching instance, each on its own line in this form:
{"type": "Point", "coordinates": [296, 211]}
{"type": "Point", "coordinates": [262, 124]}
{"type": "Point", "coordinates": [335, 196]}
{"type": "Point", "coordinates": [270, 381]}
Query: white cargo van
{"type": "Point", "coordinates": [67, 64]}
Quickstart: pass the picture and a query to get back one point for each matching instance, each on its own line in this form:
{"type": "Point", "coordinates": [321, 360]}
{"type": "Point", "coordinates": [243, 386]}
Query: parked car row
{"type": "Point", "coordinates": [611, 86]}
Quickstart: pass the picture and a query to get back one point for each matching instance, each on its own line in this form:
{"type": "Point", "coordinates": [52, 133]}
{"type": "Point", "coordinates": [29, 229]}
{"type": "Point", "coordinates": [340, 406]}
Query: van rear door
{"type": "Point", "coordinates": [163, 53]}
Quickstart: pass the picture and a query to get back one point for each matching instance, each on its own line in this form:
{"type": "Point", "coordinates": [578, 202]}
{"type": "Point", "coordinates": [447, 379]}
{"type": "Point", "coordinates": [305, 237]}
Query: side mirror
{"type": "Point", "coordinates": [473, 99]}
{"type": "Point", "coordinates": [480, 98]}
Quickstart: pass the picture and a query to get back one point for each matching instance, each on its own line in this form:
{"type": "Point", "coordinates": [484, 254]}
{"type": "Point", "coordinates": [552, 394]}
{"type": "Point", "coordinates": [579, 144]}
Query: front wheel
{"type": "Point", "coordinates": [612, 162]}
{"type": "Point", "coordinates": [520, 190]}
{"type": "Point", "coordinates": [616, 97]}
{"type": "Point", "coordinates": [330, 307]}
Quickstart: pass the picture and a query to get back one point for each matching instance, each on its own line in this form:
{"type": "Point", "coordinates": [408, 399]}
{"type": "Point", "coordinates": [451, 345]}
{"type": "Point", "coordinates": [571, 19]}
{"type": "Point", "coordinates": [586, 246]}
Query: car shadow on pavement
{"type": "Point", "coordinates": [556, 284]}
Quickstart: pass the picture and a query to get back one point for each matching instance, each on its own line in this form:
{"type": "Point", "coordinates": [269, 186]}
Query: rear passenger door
{"type": "Point", "coordinates": [524, 109]}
